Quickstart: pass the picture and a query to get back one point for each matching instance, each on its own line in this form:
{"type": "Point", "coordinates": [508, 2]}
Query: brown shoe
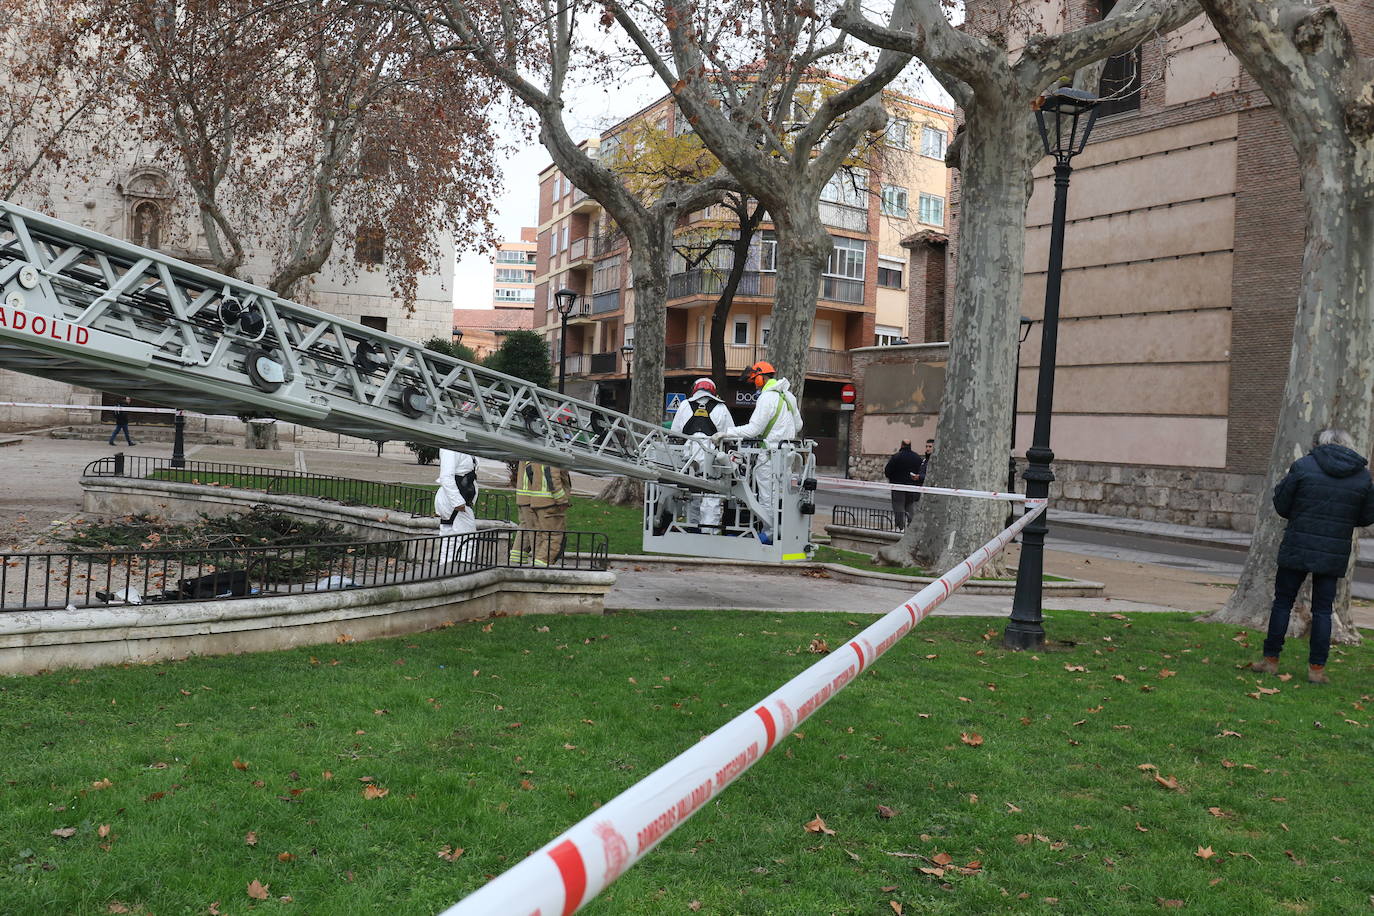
{"type": "Point", "coordinates": [1267, 665]}
{"type": "Point", "coordinates": [1316, 674]}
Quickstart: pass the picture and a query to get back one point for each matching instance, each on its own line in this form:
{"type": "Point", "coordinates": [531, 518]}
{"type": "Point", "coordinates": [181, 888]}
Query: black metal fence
{"type": "Point", "coordinates": [43, 581]}
{"type": "Point", "coordinates": [864, 517]}
{"type": "Point", "coordinates": [348, 491]}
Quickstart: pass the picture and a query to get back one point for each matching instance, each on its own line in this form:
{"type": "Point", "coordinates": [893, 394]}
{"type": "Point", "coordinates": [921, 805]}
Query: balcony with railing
{"type": "Point", "coordinates": [580, 253]}
{"type": "Point", "coordinates": [696, 357]}
{"type": "Point", "coordinates": [581, 203]}
{"type": "Point", "coordinates": [761, 284]}
{"type": "Point", "coordinates": [608, 301]}
{"type": "Point", "coordinates": [604, 363]}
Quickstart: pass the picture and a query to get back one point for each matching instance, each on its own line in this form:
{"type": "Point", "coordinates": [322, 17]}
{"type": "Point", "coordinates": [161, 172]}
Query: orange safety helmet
{"type": "Point", "coordinates": [758, 373]}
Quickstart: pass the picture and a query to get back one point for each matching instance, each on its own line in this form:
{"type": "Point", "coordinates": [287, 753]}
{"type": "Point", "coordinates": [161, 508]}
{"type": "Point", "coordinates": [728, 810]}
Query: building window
{"type": "Point", "coordinates": [887, 336]}
{"type": "Point", "coordinates": [148, 224]}
{"type": "Point", "coordinates": [848, 187]}
{"type": "Point", "coordinates": [741, 335]}
{"type": "Point", "coordinates": [846, 258]}
{"type": "Point", "coordinates": [1119, 89]}
{"type": "Point", "coordinates": [513, 257]}
{"type": "Point", "coordinates": [890, 273]}
{"type": "Point", "coordinates": [894, 201]}
{"type": "Point", "coordinates": [506, 294]}
{"type": "Point", "coordinates": [934, 142]}
{"type": "Point", "coordinates": [898, 132]}
{"type": "Point", "coordinates": [932, 210]}
{"type": "Point", "coordinates": [370, 245]}
{"type": "Point", "coordinates": [510, 275]}
{"type": "Point", "coordinates": [375, 322]}
{"type": "Point", "coordinates": [606, 275]}
{"type": "Point", "coordinates": [768, 252]}
{"type": "Point", "coordinates": [765, 329]}
{"type": "Point", "coordinates": [563, 245]}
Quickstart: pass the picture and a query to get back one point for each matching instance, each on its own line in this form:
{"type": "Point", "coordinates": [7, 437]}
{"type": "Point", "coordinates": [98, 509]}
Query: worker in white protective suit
{"type": "Point", "coordinates": [699, 417]}
{"type": "Point", "coordinates": [455, 504]}
{"type": "Point", "coordinates": [775, 419]}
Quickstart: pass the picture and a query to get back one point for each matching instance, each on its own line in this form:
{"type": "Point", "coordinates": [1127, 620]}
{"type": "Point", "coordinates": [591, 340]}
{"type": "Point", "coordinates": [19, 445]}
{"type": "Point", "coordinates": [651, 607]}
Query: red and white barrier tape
{"type": "Point", "coordinates": [572, 869]}
{"type": "Point", "coordinates": [844, 483]}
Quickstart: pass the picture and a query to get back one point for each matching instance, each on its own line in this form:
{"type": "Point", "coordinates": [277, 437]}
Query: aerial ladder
{"type": "Point", "coordinates": [84, 308]}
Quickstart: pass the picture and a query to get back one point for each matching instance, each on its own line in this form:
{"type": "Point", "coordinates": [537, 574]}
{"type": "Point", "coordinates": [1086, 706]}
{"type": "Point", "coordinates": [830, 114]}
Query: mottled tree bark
{"type": "Point", "coordinates": [1304, 59]}
{"type": "Point", "coordinates": [975, 410]}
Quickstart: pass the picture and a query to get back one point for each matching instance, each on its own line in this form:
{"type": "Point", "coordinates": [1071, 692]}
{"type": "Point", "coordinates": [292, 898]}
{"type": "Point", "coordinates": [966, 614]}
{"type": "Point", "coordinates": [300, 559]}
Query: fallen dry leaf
{"type": "Point", "coordinates": [101, 784]}
{"type": "Point", "coordinates": [371, 791]}
{"type": "Point", "coordinates": [64, 832]}
{"type": "Point", "coordinates": [695, 904]}
{"type": "Point", "coordinates": [972, 740]}
{"type": "Point", "coordinates": [257, 890]}
{"type": "Point", "coordinates": [1169, 904]}
{"type": "Point", "coordinates": [896, 907]}
{"type": "Point", "coordinates": [102, 831]}
{"type": "Point", "coordinates": [117, 907]}
{"type": "Point", "coordinates": [1165, 672]}
{"type": "Point", "coordinates": [239, 764]}
{"type": "Point", "coordinates": [1216, 812]}
{"type": "Point", "coordinates": [1168, 782]}
{"type": "Point", "coordinates": [885, 812]}
{"type": "Point", "coordinates": [1075, 668]}
{"type": "Point", "coordinates": [451, 853]}
{"type": "Point", "coordinates": [1012, 809]}
{"type": "Point", "coordinates": [250, 838]}
{"type": "Point", "coordinates": [1204, 852]}
{"type": "Point", "coordinates": [942, 858]}
{"type": "Point", "coordinates": [286, 857]}
{"type": "Point", "coordinates": [818, 646]}
{"type": "Point", "coordinates": [818, 826]}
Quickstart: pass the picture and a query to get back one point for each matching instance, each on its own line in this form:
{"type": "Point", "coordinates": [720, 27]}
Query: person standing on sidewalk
{"type": "Point", "coordinates": [121, 421]}
{"type": "Point", "coordinates": [542, 494]}
{"type": "Point", "coordinates": [906, 469]}
{"type": "Point", "coordinates": [1325, 496]}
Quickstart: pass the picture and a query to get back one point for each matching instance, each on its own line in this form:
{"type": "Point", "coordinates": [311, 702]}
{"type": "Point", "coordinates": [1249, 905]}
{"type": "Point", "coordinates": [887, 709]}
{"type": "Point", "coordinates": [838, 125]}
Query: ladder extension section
{"type": "Point", "coordinates": [81, 307]}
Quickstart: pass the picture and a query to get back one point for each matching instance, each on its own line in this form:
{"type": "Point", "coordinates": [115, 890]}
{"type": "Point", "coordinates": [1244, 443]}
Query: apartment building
{"type": "Point", "coordinates": [513, 272]}
{"type": "Point", "coordinates": [864, 298]}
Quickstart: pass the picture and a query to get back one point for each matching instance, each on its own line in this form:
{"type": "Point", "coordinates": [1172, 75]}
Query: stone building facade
{"type": "Point", "coordinates": [1182, 262]}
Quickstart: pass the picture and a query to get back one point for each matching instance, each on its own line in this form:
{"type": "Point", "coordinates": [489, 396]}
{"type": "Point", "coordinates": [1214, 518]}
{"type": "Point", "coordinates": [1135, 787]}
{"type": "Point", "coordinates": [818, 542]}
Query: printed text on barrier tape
{"type": "Point", "coordinates": [564, 874]}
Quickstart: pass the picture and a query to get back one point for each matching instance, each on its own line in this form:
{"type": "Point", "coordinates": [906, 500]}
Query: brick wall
{"type": "Point", "coordinates": [1264, 285]}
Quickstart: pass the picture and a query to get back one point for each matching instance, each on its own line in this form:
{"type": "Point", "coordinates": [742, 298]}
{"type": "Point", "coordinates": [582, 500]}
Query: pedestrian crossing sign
{"type": "Point", "coordinates": [671, 402]}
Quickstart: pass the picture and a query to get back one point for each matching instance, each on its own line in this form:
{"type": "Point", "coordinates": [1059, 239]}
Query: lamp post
{"type": "Point", "coordinates": [1026, 324]}
{"type": "Point", "coordinates": [1064, 117]}
{"type": "Point", "coordinates": [179, 440]}
{"type": "Point", "coordinates": [563, 301]}
{"type": "Point", "coordinates": [627, 351]}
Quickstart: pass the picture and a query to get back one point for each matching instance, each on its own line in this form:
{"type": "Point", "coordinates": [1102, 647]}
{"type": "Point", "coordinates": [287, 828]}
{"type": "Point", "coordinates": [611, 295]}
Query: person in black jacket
{"type": "Point", "coordinates": [905, 468]}
{"type": "Point", "coordinates": [1325, 496]}
{"type": "Point", "coordinates": [121, 420]}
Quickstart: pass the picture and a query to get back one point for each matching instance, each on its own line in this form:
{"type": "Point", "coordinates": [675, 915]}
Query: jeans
{"type": "Point", "coordinates": [903, 507]}
{"type": "Point", "coordinates": [1286, 584]}
{"type": "Point", "coordinates": [121, 427]}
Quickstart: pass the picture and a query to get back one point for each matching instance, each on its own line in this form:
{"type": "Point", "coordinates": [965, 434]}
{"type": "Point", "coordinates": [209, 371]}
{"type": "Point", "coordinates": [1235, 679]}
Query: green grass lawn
{"type": "Point", "coordinates": [1139, 768]}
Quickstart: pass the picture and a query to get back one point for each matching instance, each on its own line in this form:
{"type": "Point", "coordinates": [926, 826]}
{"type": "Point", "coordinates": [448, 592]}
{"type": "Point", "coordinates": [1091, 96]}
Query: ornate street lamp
{"type": "Point", "coordinates": [1026, 325]}
{"type": "Point", "coordinates": [563, 300]}
{"type": "Point", "coordinates": [626, 352]}
{"type": "Point", "coordinates": [1065, 117]}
